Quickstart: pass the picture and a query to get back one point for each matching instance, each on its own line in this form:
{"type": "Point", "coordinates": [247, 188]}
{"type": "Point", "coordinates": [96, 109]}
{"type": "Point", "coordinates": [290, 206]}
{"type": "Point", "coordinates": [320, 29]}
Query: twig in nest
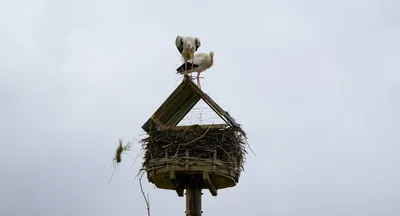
{"type": "Point", "coordinates": [198, 141]}
{"type": "Point", "coordinates": [137, 156]}
{"type": "Point", "coordinates": [250, 147]}
{"type": "Point", "coordinates": [226, 152]}
{"type": "Point", "coordinates": [194, 140]}
{"type": "Point", "coordinates": [147, 200]}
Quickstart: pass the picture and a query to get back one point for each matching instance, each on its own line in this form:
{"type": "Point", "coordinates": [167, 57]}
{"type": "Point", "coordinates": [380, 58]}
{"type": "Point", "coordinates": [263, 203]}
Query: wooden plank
{"type": "Point", "coordinates": [175, 182]}
{"type": "Point", "coordinates": [210, 185]}
{"type": "Point", "coordinates": [211, 126]}
{"type": "Point", "coordinates": [179, 191]}
{"type": "Point", "coordinates": [183, 106]}
{"type": "Point", "coordinates": [172, 176]}
{"type": "Point", "coordinates": [184, 84]}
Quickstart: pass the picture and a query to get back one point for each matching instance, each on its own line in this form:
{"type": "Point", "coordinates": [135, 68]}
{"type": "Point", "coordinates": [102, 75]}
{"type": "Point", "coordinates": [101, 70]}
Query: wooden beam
{"type": "Point", "coordinates": [174, 181]}
{"type": "Point", "coordinates": [211, 126]}
{"type": "Point", "coordinates": [210, 185]}
{"type": "Point", "coordinates": [172, 176]}
{"type": "Point", "coordinates": [179, 191]}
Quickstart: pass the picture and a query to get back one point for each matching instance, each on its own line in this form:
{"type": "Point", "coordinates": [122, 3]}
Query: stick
{"type": "Point", "coordinates": [144, 196]}
{"type": "Point", "coordinates": [194, 140]}
{"type": "Point", "coordinates": [137, 156]}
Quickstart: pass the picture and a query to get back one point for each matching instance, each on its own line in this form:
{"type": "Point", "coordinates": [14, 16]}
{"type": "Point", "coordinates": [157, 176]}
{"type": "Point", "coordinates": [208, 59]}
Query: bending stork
{"type": "Point", "coordinates": [187, 46]}
{"type": "Point", "coordinates": [202, 62]}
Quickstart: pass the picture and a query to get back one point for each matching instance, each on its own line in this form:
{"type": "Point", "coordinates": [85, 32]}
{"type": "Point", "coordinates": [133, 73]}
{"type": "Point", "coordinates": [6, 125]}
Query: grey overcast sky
{"type": "Point", "coordinates": [315, 84]}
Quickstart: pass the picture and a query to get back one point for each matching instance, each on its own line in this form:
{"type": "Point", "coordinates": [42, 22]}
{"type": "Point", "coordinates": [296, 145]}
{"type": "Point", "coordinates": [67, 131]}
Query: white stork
{"type": "Point", "coordinates": [202, 62]}
{"type": "Point", "coordinates": [187, 46]}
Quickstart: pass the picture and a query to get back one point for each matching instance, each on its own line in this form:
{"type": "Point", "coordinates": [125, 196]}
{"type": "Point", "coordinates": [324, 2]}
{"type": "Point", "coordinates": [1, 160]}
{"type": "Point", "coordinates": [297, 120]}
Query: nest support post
{"type": "Point", "coordinates": [193, 198]}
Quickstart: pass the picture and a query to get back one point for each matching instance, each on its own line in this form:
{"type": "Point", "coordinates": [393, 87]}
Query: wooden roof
{"type": "Point", "coordinates": [179, 103]}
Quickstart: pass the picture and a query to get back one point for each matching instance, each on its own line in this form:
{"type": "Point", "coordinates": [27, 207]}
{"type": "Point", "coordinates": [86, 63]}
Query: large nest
{"type": "Point", "coordinates": [228, 145]}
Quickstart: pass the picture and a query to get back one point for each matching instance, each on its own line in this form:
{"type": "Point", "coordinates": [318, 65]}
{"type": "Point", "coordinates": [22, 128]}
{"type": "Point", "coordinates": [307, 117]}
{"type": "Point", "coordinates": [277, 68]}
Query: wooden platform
{"type": "Point", "coordinates": [174, 173]}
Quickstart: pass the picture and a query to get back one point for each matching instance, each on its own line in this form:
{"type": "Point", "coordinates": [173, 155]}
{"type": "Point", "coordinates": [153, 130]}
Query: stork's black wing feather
{"type": "Point", "coordinates": [180, 48]}
{"type": "Point", "coordinates": [179, 43]}
{"type": "Point", "coordinates": [197, 43]}
{"type": "Point", "coordinates": [181, 69]}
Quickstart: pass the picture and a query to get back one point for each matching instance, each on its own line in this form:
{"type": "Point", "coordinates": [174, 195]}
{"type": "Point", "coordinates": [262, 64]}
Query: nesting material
{"type": "Point", "coordinates": [120, 149]}
{"type": "Point", "coordinates": [227, 145]}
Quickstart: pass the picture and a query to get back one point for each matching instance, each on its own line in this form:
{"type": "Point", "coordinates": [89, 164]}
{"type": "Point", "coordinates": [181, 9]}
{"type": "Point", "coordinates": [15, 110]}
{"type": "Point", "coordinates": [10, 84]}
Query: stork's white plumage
{"type": "Point", "coordinates": [187, 46]}
{"type": "Point", "coordinates": [200, 63]}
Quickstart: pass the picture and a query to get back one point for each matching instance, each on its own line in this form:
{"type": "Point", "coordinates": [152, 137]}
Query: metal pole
{"type": "Point", "coordinates": [193, 199]}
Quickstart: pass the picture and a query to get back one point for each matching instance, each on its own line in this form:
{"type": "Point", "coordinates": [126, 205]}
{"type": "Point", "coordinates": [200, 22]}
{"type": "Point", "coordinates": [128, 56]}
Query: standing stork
{"type": "Point", "coordinates": [187, 46]}
{"type": "Point", "coordinates": [202, 62]}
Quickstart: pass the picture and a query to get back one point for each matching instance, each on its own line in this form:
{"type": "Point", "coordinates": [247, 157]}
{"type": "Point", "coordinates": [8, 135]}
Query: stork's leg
{"type": "Point", "coordinates": [191, 77]}
{"type": "Point", "coordinates": [185, 67]}
{"type": "Point", "coordinates": [192, 67]}
{"type": "Point", "coordinates": [198, 80]}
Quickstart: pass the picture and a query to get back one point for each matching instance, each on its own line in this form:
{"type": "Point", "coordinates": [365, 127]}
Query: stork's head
{"type": "Point", "coordinates": [188, 46]}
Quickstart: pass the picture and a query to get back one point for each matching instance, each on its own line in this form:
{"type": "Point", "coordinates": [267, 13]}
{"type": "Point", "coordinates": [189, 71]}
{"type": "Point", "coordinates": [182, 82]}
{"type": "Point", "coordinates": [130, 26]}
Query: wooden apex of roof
{"type": "Point", "coordinates": [179, 103]}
